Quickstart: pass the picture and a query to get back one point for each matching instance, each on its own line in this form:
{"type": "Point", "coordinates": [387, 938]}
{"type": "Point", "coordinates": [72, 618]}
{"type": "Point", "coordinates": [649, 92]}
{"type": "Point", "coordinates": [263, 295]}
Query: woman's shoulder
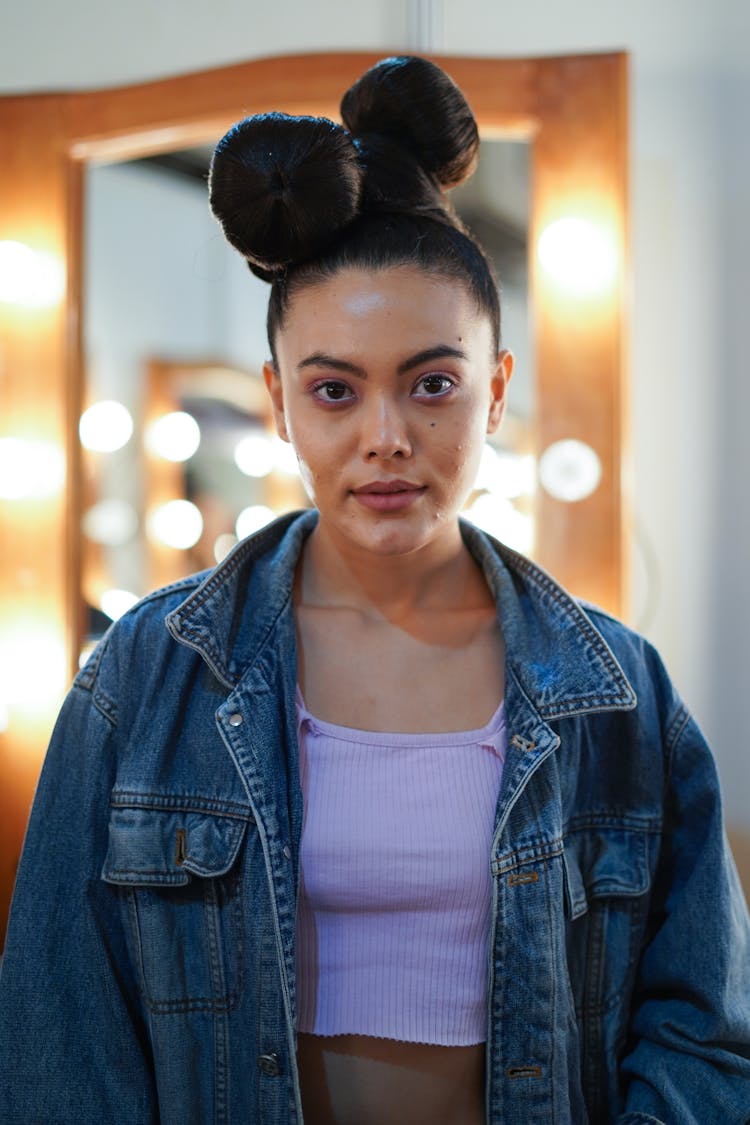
{"type": "Point", "coordinates": [550, 625]}
{"type": "Point", "coordinates": [631, 646]}
{"type": "Point", "coordinates": [146, 617]}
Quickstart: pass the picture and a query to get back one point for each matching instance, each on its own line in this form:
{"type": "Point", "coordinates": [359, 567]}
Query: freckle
{"type": "Point", "coordinates": [433, 424]}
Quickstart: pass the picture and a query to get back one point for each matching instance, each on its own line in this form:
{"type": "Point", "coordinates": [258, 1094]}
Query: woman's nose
{"type": "Point", "coordinates": [384, 430]}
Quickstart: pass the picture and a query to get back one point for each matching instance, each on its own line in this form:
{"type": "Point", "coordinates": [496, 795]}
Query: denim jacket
{"type": "Point", "coordinates": [149, 970]}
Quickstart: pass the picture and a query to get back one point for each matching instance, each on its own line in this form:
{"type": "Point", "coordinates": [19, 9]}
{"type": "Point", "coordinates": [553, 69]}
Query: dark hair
{"type": "Point", "coordinates": [302, 198]}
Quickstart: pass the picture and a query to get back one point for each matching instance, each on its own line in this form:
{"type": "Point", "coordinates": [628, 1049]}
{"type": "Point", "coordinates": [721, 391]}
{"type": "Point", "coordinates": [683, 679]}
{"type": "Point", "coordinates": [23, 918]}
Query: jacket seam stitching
{"type": "Point", "coordinates": [627, 823]}
{"type": "Point", "coordinates": [534, 853]}
{"type": "Point", "coordinates": [124, 799]}
{"type": "Point", "coordinates": [675, 730]}
{"type": "Point", "coordinates": [106, 707]}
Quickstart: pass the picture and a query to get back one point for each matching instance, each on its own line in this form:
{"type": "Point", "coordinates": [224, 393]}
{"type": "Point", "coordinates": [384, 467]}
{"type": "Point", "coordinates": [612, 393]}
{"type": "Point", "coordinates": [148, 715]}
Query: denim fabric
{"type": "Point", "coordinates": [149, 967]}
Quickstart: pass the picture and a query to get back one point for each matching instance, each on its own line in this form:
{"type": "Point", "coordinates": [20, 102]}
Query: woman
{"type": "Point", "coordinates": [374, 823]}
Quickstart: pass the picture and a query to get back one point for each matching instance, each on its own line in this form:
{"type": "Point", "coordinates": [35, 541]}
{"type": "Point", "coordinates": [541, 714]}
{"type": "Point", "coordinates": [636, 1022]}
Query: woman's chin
{"type": "Point", "coordinates": [388, 536]}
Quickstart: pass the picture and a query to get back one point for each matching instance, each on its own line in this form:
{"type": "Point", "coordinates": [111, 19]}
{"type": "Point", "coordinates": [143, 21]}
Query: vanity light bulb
{"type": "Point", "coordinates": [33, 663]}
{"type": "Point", "coordinates": [111, 522]}
{"type": "Point", "coordinates": [578, 255]}
{"type": "Point", "coordinates": [178, 524]}
{"type": "Point", "coordinates": [254, 455]}
{"type": "Point", "coordinates": [31, 278]}
{"type": "Point", "coordinates": [570, 470]}
{"type": "Point", "coordinates": [223, 545]}
{"type": "Point", "coordinates": [175, 436]}
{"type": "Point", "coordinates": [116, 602]}
{"type": "Point", "coordinates": [284, 457]}
{"type": "Point", "coordinates": [30, 469]}
{"type": "Point", "coordinates": [105, 427]}
{"type": "Point", "coordinates": [498, 517]}
{"type": "Point", "coordinates": [508, 475]}
{"type": "Point", "coordinates": [252, 519]}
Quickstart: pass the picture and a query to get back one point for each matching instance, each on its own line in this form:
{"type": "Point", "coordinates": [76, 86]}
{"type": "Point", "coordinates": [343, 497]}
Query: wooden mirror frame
{"type": "Point", "coordinates": [573, 110]}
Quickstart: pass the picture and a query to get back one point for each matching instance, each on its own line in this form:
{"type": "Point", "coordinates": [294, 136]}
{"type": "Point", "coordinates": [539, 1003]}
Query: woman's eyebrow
{"type": "Point", "coordinates": [322, 359]}
{"type": "Point", "coordinates": [440, 351]}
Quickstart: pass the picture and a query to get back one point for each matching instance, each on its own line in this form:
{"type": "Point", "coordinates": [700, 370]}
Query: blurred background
{"type": "Point", "coordinates": [177, 457]}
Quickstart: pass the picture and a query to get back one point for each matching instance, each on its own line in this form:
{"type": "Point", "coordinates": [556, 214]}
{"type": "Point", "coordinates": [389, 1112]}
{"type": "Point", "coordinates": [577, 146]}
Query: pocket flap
{"type": "Point", "coordinates": [604, 861]}
{"type": "Point", "coordinates": [575, 891]}
{"type": "Point", "coordinates": [154, 847]}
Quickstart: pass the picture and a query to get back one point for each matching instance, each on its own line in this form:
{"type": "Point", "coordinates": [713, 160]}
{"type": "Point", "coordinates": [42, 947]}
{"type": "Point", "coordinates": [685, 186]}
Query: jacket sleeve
{"type": "Point", "coordinates": [688, 1057]}
{"type": "Point", "coordinates": [73, 1045]}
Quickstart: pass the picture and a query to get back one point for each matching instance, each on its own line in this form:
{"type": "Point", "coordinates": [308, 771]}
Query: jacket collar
{"type": "Point", "coordinates": [555, 652]}
{"type": "Point", "coordinates": [559, 657]}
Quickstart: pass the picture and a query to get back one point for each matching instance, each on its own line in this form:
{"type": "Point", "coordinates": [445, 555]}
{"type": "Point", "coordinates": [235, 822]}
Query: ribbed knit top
{"type": "Point", "coordinates": [395, 895]}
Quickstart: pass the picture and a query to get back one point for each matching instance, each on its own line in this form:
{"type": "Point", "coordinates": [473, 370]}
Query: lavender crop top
{"type": "Point", "coordinates": [395, 895]}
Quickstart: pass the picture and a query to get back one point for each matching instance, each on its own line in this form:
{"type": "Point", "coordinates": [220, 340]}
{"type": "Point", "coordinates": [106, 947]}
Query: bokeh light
{"type": "Point", "coordinates": [253, 519]}
{"type": "Point", "coordinates": [506, 474]}
{"type": "Point", "coordinates": [254, 455]}
{"type": "Point", "coordinates": [570, 470]}
{"type": "Point", "coordinates": [175, 436]}
{"type": "Point", "coordinates": [223, 545]}
{"type": "Point", "coordinates": [30, 469]}
{"type": "Point", "coordinates": [116, 602]}
{"type": "Point", "coordinates": [578, 255]}
{"type": "Point", "coordinates": [105, 427]}
{"type": "Point", "coordinates": [178, 524]}
{"type": "Point", "coordinates": [33, 664]}
{"type": "Point", "coordinates": [110, 522]}
{"type": "Point", "coordinates": [499, 518]}
{"type": "Point", "coordinates": [284, 457]}
{"type": "Point", "coordinates": [32, 278]}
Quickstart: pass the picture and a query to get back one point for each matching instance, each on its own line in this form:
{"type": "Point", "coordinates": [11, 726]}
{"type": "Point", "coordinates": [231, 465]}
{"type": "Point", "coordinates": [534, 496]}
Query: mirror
{"type": "Point", "coordinates": [572, 111]}
{"type": "Point", "coordinates": [179, 455]}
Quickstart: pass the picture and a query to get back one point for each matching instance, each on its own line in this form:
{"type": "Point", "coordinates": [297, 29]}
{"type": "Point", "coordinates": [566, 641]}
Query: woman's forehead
{"type": "Point", "coordinates": [403, 296]}
{"type": "Point", "coordinates": [383, 323]}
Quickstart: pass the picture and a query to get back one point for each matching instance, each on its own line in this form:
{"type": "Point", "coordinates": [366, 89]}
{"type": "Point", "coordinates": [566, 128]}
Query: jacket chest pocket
{"type": "Point", "coordinates": [606, 883]}
{"type": "Point", "coordinates": [180, 879]}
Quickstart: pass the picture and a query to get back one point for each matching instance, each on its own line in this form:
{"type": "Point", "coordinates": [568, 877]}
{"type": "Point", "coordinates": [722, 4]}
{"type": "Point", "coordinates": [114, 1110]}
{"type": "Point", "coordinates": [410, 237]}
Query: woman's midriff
{"type": "Point", "coordinates": [359, 1080]}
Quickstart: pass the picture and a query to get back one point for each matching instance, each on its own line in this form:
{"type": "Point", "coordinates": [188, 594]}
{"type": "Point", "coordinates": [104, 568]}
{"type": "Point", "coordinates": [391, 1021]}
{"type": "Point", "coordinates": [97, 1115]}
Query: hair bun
{"type": "Point", "coordinates": [413, 102]}
{"type": "Point", "coordinates": [282, 186]}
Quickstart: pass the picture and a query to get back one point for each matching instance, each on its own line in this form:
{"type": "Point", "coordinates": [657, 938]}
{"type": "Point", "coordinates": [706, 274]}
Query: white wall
{"type": "Point", "coordinates": [690, 159]}
{"type": "Point", "coordinates": [726, 660]}
{"type": "Point", "coordinates": [45, 45]}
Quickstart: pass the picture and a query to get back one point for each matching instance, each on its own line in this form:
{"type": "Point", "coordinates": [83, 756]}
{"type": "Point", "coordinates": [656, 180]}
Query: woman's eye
{"type": "Point", "coordinates": [431, 386]}
{"type": "Point", "coordinates": [332, 391]}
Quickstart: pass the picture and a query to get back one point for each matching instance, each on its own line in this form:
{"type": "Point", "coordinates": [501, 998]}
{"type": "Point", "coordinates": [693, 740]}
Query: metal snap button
{"type": "Point", "coordinates": [525, 744]}
{"type": "Point", "coordinates": [269, 1064]}
{"type": "Point", "coordinates": [235, 719]}
{"type": "Point", "coordinates": [287, 852]}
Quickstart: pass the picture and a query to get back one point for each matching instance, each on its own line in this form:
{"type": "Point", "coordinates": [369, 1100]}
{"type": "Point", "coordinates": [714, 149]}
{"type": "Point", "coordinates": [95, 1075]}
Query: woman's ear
{"type": "Point", "coordinates": [272, 379]}
{"type": "Point", "coordinates": [499, 387]}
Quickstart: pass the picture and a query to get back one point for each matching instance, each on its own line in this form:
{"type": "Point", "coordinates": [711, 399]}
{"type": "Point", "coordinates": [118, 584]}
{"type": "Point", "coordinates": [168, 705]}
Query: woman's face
{"type": "Point", "coordinates": [386, 388]}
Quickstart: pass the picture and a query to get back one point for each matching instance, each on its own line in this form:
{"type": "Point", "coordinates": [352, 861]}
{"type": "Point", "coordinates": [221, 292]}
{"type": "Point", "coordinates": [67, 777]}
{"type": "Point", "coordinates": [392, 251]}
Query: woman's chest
{"type": "Point", "coordinates": [384, 678]}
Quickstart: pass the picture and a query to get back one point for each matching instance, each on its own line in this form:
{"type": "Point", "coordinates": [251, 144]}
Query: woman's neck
{"type": "Point", "coordinates": [441, 576]}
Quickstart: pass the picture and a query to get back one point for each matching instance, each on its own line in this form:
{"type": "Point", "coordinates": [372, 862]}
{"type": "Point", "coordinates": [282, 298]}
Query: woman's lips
{"type": "Point", "coordinates": [388, 496]}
